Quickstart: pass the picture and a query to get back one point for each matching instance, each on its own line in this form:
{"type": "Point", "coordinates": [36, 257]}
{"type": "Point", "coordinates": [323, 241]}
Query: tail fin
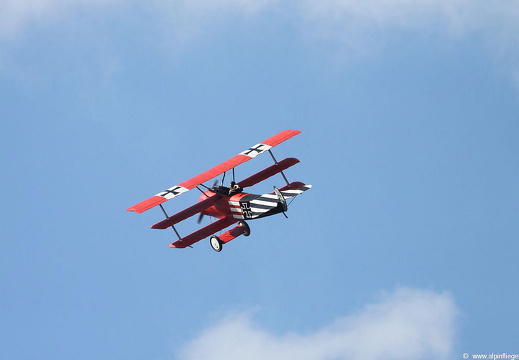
{"type": "Point", "coordinates": [293, 189]}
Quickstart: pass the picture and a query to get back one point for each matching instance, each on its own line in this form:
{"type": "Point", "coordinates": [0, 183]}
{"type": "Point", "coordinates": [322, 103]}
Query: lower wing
{"type": "Point", "coordinates": [203, 232]}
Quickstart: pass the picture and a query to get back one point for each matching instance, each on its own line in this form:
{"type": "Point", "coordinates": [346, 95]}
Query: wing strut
{"type": "Point", "coordinates": [172, 226]}
{"type": "Point", "coordinates": [276, 162]}
{"type": "Point", "coordinates": [202, 191]}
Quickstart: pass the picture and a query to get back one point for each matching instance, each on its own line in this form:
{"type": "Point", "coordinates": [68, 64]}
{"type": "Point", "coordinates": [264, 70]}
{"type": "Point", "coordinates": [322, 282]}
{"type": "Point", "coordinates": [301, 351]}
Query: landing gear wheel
{"type": "Point", "coordinates": [246, 226]}
{"type": "Point", "coordinates": [216, 243]}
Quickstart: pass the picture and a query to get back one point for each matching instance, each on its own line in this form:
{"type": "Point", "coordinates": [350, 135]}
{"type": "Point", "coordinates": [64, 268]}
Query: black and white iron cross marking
{"type": "Point", "coordinates": [257, 148]}
{"type": "Point", "coordinates": [247, 211]}
{"type": "Point", "coordinates": [174, 190]}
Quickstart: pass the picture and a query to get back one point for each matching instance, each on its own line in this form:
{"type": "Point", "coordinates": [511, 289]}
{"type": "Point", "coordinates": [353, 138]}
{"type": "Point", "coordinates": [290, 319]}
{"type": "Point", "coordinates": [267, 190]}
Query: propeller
{"type": "Point", "coordinates": [200, 218]}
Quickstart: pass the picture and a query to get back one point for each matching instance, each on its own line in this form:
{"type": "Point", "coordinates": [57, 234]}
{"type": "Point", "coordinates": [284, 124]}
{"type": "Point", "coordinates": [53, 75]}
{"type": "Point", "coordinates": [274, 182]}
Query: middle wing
{"type": "Point", "coordinates": [184, 214]}
{"type": "Point", "coordinates": [242, 157]}
{"type": "Point", "coordinates": [268, 172]}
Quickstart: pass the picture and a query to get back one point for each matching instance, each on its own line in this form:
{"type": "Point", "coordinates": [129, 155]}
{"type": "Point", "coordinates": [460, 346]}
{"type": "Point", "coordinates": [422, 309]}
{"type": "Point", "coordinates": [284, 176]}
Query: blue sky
{"type": "Point", "coordinates": [405, 248]}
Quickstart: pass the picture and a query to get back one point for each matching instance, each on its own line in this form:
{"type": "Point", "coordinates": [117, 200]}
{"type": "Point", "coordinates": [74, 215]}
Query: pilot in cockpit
{"type": "Point", "coordinates": [235, 189]}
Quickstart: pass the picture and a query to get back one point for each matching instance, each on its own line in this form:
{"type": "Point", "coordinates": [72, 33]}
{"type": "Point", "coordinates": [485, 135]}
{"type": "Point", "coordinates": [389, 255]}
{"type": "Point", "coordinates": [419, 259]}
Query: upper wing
{"type": "Point", "coordinates": [242, 157]}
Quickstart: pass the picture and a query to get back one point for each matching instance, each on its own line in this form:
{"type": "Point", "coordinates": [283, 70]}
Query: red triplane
{"type": "Point", "coordinates": [229, 205]}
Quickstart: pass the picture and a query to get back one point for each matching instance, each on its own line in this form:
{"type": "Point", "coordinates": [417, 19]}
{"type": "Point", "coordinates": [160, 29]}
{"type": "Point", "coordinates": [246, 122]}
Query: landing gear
{"type": "Point", "coordinates": [216, 243]}
{"type": "Point", "coordinates": [241, 229]}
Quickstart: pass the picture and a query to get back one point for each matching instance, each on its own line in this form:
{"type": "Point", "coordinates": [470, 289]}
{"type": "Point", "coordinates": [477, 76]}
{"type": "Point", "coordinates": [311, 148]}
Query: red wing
{"type": "Point", "coordinates": [204, 204]}
{"type": "Point", "coordinates": [184, 214]}
{"type": "Point", "coordinates": [268, 172]}
{"type": "Point", "coordinates": [203, 232]}
{"type": "Point", "coordinates": [242, 157]}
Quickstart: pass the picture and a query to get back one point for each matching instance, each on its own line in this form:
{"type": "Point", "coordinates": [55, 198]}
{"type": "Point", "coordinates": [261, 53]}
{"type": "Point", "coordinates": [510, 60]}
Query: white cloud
{"type": "Point", "coordinates": [342, 19]}
{"type": "Point", "coordinates": [455, 15]}
{"type": "Point", "coordinates": [362, 23]}
{"type": "Point", "coordinates": [406, 324]}
{"type": "Point", "coordinates": [361, 26]}
{"type": "Point", "coordinates": [186, 20]}
{"type": "Point", "coordinates": [212, 7]}
{"type": "Point", "coordinates": [16, 15]}
{"type": "Point", "coordinates": [387, 13]}
{"type": "Point", "coordinates": [356, 26]}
